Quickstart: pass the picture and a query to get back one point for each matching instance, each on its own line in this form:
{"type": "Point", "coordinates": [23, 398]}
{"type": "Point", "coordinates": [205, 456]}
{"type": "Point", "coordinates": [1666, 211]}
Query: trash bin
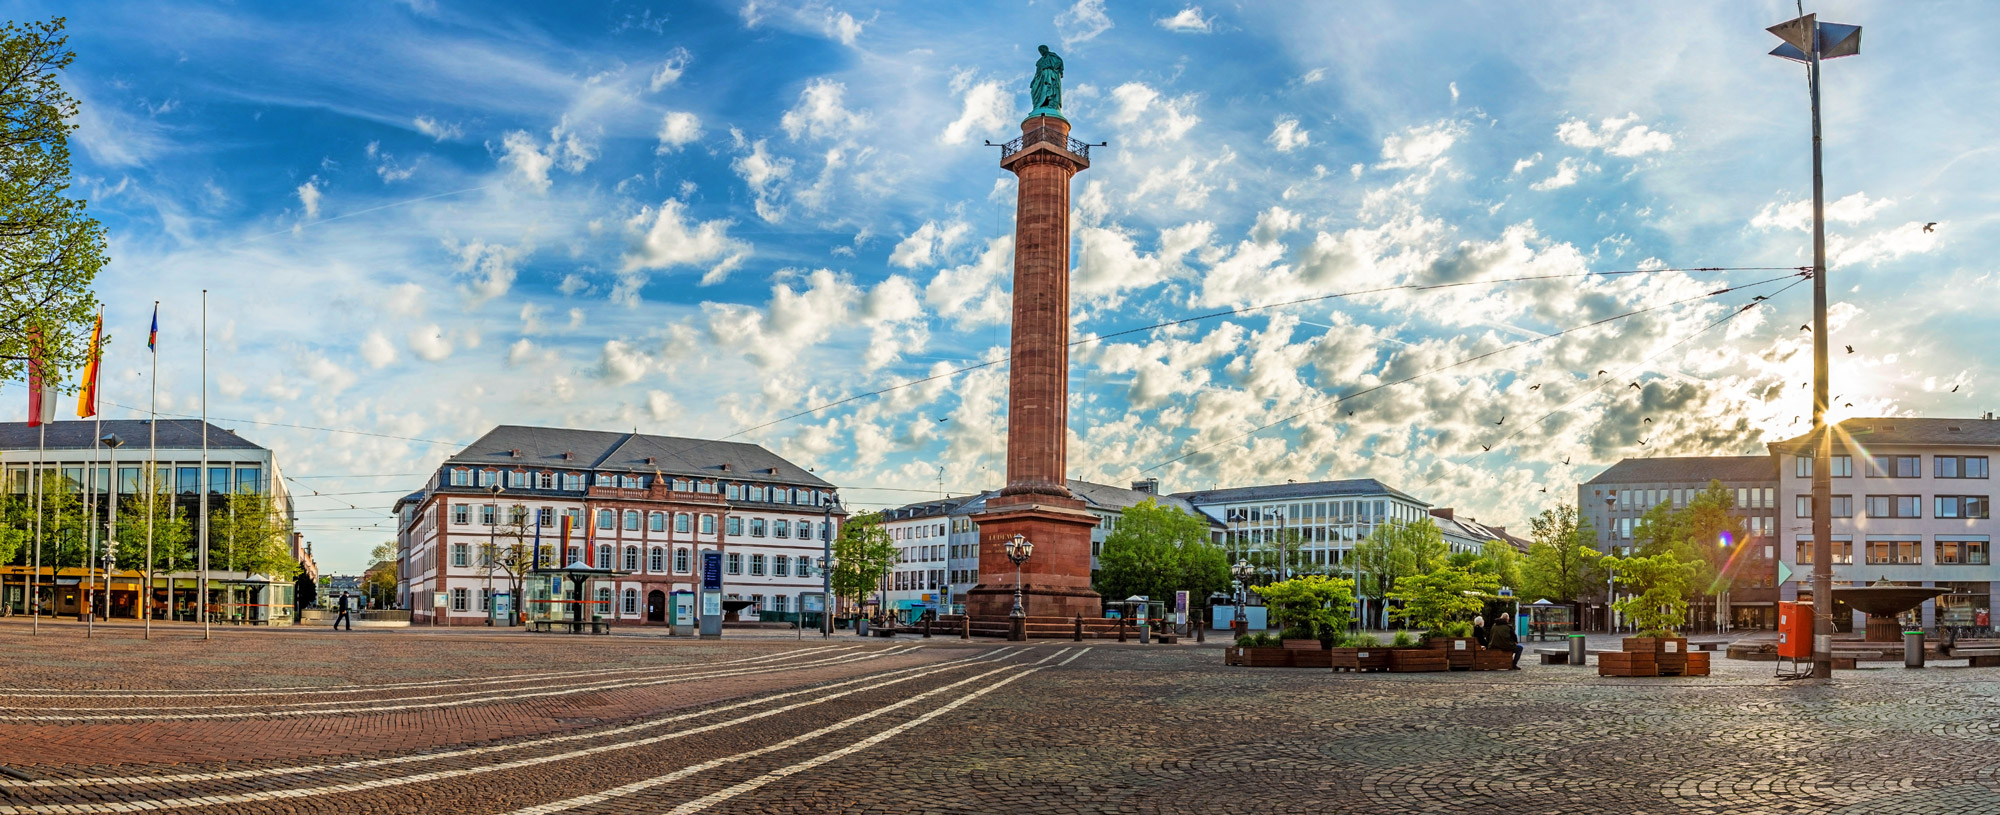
{"type": "Point", "coordinates": [861, 626]}
{"type": "Point", "coordinates": [1576, 652]}
{"type": "Point", "coordinates": [1913, 649]}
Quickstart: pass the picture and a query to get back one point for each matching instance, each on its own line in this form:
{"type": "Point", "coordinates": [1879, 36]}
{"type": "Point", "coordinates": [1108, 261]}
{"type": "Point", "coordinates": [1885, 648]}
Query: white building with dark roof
{"type": "Point", "coordinates": [644, 506]}
{"type": "Point", "coordinates": [1331, 516]}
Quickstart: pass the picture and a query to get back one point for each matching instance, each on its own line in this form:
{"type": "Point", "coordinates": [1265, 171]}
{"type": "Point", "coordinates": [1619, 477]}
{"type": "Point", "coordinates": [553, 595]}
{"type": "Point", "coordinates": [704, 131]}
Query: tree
{"type": "Point", "coordinates": [50, 250]}
{"type": "Point", "coordinates": [863, 554]}
{"type": "Point", "coordinates": [1562, 564]}
{"type": "Point", "coordinates": [173, 537]}
{"type": "Point", "coordinates": [1693, 534]}
{"type": "Point", "coordinates": [1282, 554]}
{"type": "Point", "coordinates": [1158, 550]}
{"type": "Point", "coordinates": [1312, 606]}
{"type": "Point", "coordinates": [379, 580]}
{"type": "Point", "coordinates": [1395, 550]}
{"type": "Point", "coordinates": [1662, 582]}
{"type": "Point", "coordinates": [1443, 596]}
{"type": "Point", "coordinates": [250, 537]}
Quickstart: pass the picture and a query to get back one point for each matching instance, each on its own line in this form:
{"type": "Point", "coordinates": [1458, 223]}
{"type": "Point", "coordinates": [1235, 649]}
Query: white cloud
{"type": "Point", "coordinates": [1615, 136]}
{"type": "Point", "coordinates": [309, 195]}
{"type": "Point", "coordinates": [1567, 172]}
{"type": "Point", "coordinates": [1152, 116]}
{"type": "Point", "coordinates": [437, 130]}
{"type": "Point", "coordinates": [621, 364]}
{"type": "Point", "coordinates": [677, 130]}
{"type": "Point", "coordinates": [815, 17]}
{"type": "Point", "coordinates": [1312, 76]}
{"type": "Point", "coordinates": [762, 172]}
{"type": "Point", "coordinates": [1854, 208]}
{"type": "Point", "coordinates": [429, 343]}
{"type": "Point", "coordinates": [821, 111]}
{"type": "Point", "coordinates": [1454, 93]}
{"type": "Point", "coordinates": [377, 350]}
{"type": "Point", "coordinates": [491, 267]}
{"type": "Point", "coordinates": [330, 377]}
{"type": "Point", "coordinates": [670, 71]}
{"type": "Point", "coordinates": [1188, 21]}
{"type": "Point", "coordinates": [229, 385]}
{"type": "Point", "coordinates": [1522, 165]}
{"type": "Point", "coordinates": [665, 238]}
{"type": "Point", "coordinates": [928, 244]}
{"type": "Point", "coordinates": [986, 108]}
{"type": "Point", "coordinates": [521, 351]}
{"type": "Point", "coordinates": [974, 294]}
{"type": "Point", "coordinates": [1083, 22]}
{"type": "Point", "coordinates": [1419, 146]}
{"type": "Point", "coordinates": [1287, 136]}
{"type": "Point", "coordinates": [567, 149]}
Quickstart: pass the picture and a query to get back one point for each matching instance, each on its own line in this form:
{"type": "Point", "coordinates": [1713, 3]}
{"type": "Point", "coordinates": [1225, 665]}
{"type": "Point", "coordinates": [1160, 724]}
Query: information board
{"type": "Point", "coordinates": [711, 572]}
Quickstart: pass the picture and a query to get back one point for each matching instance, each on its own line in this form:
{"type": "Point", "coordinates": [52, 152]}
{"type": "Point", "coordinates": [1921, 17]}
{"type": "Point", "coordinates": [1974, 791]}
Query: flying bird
{"type": "Point", "coordinates": [1545, 489]}
{"type": "Point", "coordinates": [1849, 404]}
{"type": "Point", "coordinates": [1850, 349]}
{"type": "Point", "coordinates": [1635, 386]}
{"type": "Point", "coordinates": [1503, 419]}
{"type": "Point", "coordinates": [1929, 226]}
{"type": "Point", "coordinates": [1486, 447]}
{"type": "Point", "coordinates": [1805, 328]}
{"type": "Point", "coordinates": [1601, 373]}
{"type": "Point", "coordinates": [1649, 420]}
{"type": "Point", "coordinates": [1565, 461]}
{"type": "Point", "coordinates": [1954, 389]}
{"type": "Point", "coordinates": [1758, 298]}
{"type": "Point", "coordinates": [1535, 387]}
{"type": "Point", "coordinates": [1350, 413]}
{"type": "Point", "coordinates": [1642, 442]}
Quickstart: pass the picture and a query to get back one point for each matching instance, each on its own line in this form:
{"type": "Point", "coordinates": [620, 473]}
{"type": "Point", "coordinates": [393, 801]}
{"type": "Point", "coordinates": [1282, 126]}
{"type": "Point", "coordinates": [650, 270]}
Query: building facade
{"type": "Point", "coordinates": [1616, 500]}
{"type": "Point", "coordinates": [1329, 516]}
{"type": "Point", "coordinates": [1911, 504]}
{"type": "Point", "coordinates": [74, 460]}
{"type": "Point", "coordinates": [645, 507]}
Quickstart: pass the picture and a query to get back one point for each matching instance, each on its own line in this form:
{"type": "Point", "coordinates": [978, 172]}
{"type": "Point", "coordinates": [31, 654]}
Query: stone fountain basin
{"type": "Point", "coordinates": [1886, 601]}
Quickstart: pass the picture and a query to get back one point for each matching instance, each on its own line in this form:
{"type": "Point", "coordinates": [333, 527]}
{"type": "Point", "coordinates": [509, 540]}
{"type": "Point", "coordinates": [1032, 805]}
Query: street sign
{"type": "Point", "coordinates": [711, 572]}
{"type": "Point", "coordinates": [812, 602]}
{"type": "Point", "coordinates": [1784, 573]}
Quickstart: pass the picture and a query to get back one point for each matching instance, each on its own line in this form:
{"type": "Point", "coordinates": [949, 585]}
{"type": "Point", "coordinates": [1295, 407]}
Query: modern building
{"type": "Point", "coordinates": [74, 460]}
{"type": "Point", "coordinates": [643, 507]}
{"type": "Point", "coordinates": [1330, 516]}
{"type": "Point", "coordinates": [1911, 504]}
{"type": "Point", "coordinates": [1616, 499]}
{"type": "Point", "coordinates": [939, 541]}
{"type": "Point", "coordinates": [1467, 534]}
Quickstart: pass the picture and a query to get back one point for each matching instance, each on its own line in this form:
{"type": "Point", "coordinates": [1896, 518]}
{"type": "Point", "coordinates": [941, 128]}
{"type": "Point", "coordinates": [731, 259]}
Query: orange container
{"type": "Point", "coordinates": [1795, 629]}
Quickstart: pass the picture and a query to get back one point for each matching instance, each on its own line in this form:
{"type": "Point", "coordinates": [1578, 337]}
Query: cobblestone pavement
{"type": "Point", "coordinates": [411, 721]}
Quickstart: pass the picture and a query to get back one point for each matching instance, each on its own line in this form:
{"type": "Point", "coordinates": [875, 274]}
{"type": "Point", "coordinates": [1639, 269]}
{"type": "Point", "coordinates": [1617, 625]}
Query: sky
{"type": "Point", "coordinates": [417, 220]}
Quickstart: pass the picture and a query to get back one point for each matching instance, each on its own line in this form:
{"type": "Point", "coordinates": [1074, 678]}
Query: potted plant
{"type": "Point", "coordinates": [1312, 612]}
{"type": "Point", "coordinates": [1259, 651]}
{"type": "Point", "coordinates": [1443, 603]}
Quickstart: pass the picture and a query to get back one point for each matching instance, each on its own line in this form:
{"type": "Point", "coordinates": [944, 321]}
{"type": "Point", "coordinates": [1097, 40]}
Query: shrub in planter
{"type": "Point", "coordinates": [1310, 607]}
{"type": "Point", "coordinates": [1367, 641]}
{"type": "Point", "coordinates": [1403, 640]}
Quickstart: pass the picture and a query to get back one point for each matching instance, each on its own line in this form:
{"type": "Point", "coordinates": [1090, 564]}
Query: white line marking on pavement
{"type": "Point", "coordinates": [382, 783]}
{"type": "Point", "coordinates": [641, 786]}
{"type": "Point", "coordinates": [383, 708]}
{"type": "Point", "coordinates": [1073, 658]}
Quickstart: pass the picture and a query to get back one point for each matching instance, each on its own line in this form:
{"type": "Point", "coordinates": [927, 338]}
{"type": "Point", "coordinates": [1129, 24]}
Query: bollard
{"type": "Point", "coordinates": [965, 630]}
{"type": "Point", "coordinates": [1121, 629]}
{"type": "Point", "coordinates": [1017, 629]}
{"type": "Point", "coordinates": [1078, 636]}
{"type": "Point", "coordinates": [927, 628]}
{"type": "Point", "coordinates": [1913, 649]}
{"type": "Point", "coordinates": [1200, 626]}
{"type": "Point", "coordinates": [1576, 652]}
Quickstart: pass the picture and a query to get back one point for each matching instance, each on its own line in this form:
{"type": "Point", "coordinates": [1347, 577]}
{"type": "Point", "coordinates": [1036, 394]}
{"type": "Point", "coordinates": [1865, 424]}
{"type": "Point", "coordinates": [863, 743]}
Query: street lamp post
{"type": "Point", "coordinates": [492, 544]}
{"type": "Point", "coordinates": [1019, 548]}
{"type": "Point", "coordinates": [1610, 578]}
{"type": "Point", "coordinates": [826, 571]}
{"type": "Point", "coordinates": [1807, 41]}
{"type": "Point", "coordinates": [1242, 572]}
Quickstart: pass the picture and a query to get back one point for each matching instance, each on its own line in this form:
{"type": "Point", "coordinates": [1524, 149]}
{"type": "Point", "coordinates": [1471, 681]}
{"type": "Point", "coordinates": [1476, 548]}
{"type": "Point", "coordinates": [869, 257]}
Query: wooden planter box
{"type": "Point", "coordinates": [1315, 658]}
{"type": "Point", "coordinates": [1232, 656]}
{"type": "Point", "coordinates": [1697, 664]}
{"type": "Point", "coordinates": [1627, 663]}
{"type": "Point", "coordinates": [1258, 657]}
{"type": "Point", "coordinates": [1303, 645]}
{"type": "Point", "coordinates": [1408, 660]}
{"type": "Point", "coordinates": [1673, 645]}
{"type": "Point", "coordinates": [1487, 659]}
{"type": "Point", "coordinates": [1458, 651]}
{"type": "Point", "coordinates": [1641, 645]}
{"type": "Point", "coordinates": [1359, 659]}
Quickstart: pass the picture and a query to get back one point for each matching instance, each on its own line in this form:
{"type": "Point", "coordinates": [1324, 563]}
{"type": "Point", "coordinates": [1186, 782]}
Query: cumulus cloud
{"type": "Point", "coordinates": [1522, 165]}
{"type": "Point", "coordinates": [986, 108]}
{"type": "Point", "coordinates": [328, 375]}
{"type": "Point", "coordinates": [621, 364]}
{"type": "Point", "coordinates": [974, 294]}
{"type": "Point", "coordinates": [820, 112]}
{"type": "Point", "coordinates": [763, 173]}
{"type": "Point", "coordinates": [1419, 146]}
{"type": "Point", "coordinates": [1855, 208]}
{"type": "Point", "coordinates": [1151, 116]}
{"type": "Point", "coordinates": [567, 149]}
{"type": "Point", "coordinates": [491, 267]}
{"type": "Point", "coordinates": [1287, 136]}
{"type": "Point", "coordinates": [377, 350]}
{"type": "Point", "coordinates": [1568, 171]}
{"type": "Point", "coordinates": [677, 130]}
{"type": "Point", "coordinates": [670, 70]}
{"type": "Point", "coordinates": [665, 237]}
{"type": "Point", "coordinates": [928, 244]}
{"type": "Point", "coordinates": [438, 130]}
{"type": "Point", "coordinates": [1621, 137]}
{"type": "Point", "coordinates": [309, 195]}
{"type": "Point", "coordinates": [815, 17]}
{"type": "Point", "coordinates": [1188, 21]}
{"type": "Point", "coordinates": [1082, 22]}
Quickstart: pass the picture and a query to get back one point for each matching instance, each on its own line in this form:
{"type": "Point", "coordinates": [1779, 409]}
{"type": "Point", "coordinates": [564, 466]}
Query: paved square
{"type": "Point", "coordinates": [413, 721]}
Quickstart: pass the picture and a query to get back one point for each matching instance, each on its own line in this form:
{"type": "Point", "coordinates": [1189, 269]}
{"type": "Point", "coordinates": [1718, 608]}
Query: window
{"type": "Point", "coordinates": [572, 482]}
{"type": "Point", "coordinates": [805, 566]}
{"type": "Point", "coordinates": [517, 515]}
{"type": "Point", "coordinates": [656, 560]}
{"type": "Point", "coordinates": [1895, 466]}
{"type": "Point", "coordinates": [460, 477]}
{"type": "Point", "coordinates": [604, 599]}
{"type": "Point", "coordinates": [734, 493]}
{"type": "Point", "coordinates": [735, 525]}
{"type": "Point", "coordinates": [1843, 551]}
{"type": "Point", "coordinates": [781, 528]}
{"type": "Point", "coordinates": [1894, 506]}
{"type": "Point", "coordinates": [461, 555]}
{"type": "Point", "coordinates": [656, 521]}
{"type": "Point", "coordinates": [517, 479]}
{"type": "Point", "coordinates": [461, 514]}
{"type": "Point", "coordinates": [489, 515]}
{"type": "Point", "coordinates": [1843, 506]}
{"type": "Point", "coordinates": [458, 598]}
{"type": "Point", "coordinates": [631, 558]}
{"type": "Point", "coordinates": [604, 556]}
{"type": "Point", "coordinates": [546, 516]}
{"type": "Point", "coordinates": [1894, 552]}
{"type": "Point", "coordinates": [708, 524]}
{"type": "Point", "coordinates": [486, 478]}
{"type": "Point", "coordinates": [1805, 505]}
{"type": "Point", "coordinates": [682, 564]}
{"type": "Point", "coordinates": [606, 519]}
{"type": "Point", "coordinates": [1802, 466]}
{"type": "Point", "coordinates": [781, 604]}
{"type": "Point", "coordinates": [1961, 466]}
{"type": "Point", "coordinates": [1963, 506]}
{"type": "Point", "coordinates": [545, 481]}
{"type": "Point", "coordinates": [756, 527]}
{"type": "Point", "coordinates": [631, 602]}
{"type": "Point", "coordinates": [1841, 466]}
{"type": "Point", "coordinates": [757, 493]}
{"type": "Point", "coordinates": [1966, 551]}
{"type": "Point", "coordinates": [631, 482]}
{"type": "Point", "coordinates": [756, 565]}
{"type": "Point", "coordinates": [732, 563]}
{"type": "Point", "coordinates": [631, 520]}
{"type": "Point", "coordinates": [572, 555]}
{"type": "Point", "coordinates": [781, 566]}
{"type": "Point", "coordinates": [681, 522]}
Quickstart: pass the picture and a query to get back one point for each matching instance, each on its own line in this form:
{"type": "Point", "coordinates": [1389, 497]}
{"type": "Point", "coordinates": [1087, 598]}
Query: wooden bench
{"type": "Point", "coordinates": [1705, 646]}
{"type": "Point", "coordinates": [1553, 656]}
{"type": "Point", "coordinates": [1978, 657]}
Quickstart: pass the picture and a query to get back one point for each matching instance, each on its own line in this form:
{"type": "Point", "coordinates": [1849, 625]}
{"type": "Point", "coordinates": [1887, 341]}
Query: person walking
{"type": "Point", "coordinates": [1501, 638]}
{"type": "Point", "coordinates": [343, 607]}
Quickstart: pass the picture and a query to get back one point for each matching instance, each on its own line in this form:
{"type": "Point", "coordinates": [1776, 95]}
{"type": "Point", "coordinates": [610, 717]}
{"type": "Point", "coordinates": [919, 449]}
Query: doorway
{"type": "Point", "coordinates": [656, 606]}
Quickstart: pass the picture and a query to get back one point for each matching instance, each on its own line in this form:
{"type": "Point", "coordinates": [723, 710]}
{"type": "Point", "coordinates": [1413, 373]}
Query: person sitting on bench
{"type": "Point", "coordinates": [1501, 638]}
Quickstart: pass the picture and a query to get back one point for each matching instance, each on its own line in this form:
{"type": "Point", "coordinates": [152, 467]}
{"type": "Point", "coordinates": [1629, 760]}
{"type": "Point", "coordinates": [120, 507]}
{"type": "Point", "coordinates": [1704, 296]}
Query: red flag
{"type": "Point", "coordinates": [86, 400]}
{"type": "Point", "coordinates": [42, 381]}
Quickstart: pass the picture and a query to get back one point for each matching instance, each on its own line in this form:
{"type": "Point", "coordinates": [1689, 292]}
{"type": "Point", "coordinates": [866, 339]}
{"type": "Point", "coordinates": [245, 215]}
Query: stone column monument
{"type": "Point", "coordinates": [1036, 503]}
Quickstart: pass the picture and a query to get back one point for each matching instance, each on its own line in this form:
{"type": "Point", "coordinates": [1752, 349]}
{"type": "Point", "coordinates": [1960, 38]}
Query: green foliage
{"type": "Point", "coordinates": [863, 554]}
{"type": "Point", "coordinates": [1661, 582]}
{"type": "Point", "coordinates": [1562, 564]}
{"type": "Point", "coordinates": [1395, 550]}
{"type": "Point", "coordinates": [1502, 560]}
{"type": "Point", "coordinates": [50, 250]}
{"type": "Point", "coordinates": [1158, 550]}
{"type": "Point", "coordinates": [1403, 640]}
{"type": "Point", "coordinates": [173, 532]}
{"type": "Point", "coordinates": [1365, 641]}
{"type": "Point", "coordinates": [1259, 641]}
{"type": "Point", "coordinates": [1430, 601]}
{"type": "Point", "coordinates": [1693, 534]}
{"type": "Point", "coordinates": [1458, 628]}
{"type": "Point", "coordinates": [250, 536]}
{"type": "Point", "coordinates": [1320, 606]}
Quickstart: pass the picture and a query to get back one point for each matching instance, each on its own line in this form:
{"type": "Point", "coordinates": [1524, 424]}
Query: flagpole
{"type": "Point", "coordinates": [35, 576]}
{"type": "Point", "coordinates": [90, 518]}
{"type": "Point", "coordinates": [201, 598]}
{"type": "Point", "coordinates": [152, 468]}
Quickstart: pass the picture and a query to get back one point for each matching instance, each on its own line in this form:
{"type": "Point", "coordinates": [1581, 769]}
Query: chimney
{"type": "Point", "coordinates": [1442, 512]}
{"type": "Point", "coordinates": [1150, 486]}
{"type": "Point", "coordinates": [514, 453]}
{"type": "Point", "coordinates": [567, 456]}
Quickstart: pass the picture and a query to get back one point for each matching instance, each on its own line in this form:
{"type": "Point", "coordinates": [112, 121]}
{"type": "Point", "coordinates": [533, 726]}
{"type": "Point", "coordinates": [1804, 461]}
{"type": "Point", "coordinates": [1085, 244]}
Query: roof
{"type": "Point", "coordinates": [1689, 469]}
{"type": "Point", "coordinates": [83, 434]}
{"type": "Point", "coordinates": [556, 447]}
{"type": "Point", "coordinates": [1470, 529]}
{"type": "Point", "coordinates": [1102, 497]}
{"type": "Point", "coordinates": [1298, 491]}
{"type": "Point", "coordinates": [1904, 430]}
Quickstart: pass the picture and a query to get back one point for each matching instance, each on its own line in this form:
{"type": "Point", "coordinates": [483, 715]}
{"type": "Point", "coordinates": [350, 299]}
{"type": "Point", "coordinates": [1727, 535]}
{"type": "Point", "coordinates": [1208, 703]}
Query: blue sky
{"type": "Point", "coordinates": [421, 219]}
